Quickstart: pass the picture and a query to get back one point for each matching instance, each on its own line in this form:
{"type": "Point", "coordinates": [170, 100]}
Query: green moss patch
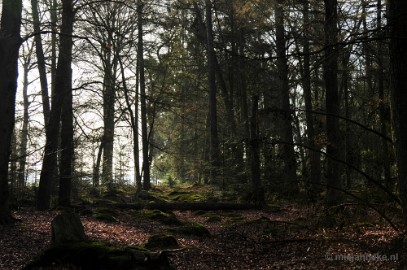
{"type": "Point", "coordinates": [162, 242]}
{"type": "Point", "coordinates": [165, 218]}
{"type": "Point", "coordinates": [96, 255]}
{"type": "Point", "coordinates": [106, 214]}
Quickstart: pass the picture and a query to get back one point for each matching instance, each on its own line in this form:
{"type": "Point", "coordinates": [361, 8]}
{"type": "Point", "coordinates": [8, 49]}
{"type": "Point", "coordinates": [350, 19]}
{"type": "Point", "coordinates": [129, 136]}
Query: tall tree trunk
{"type": "Point", "coordinates": [257, 190]}
{"type": "Point", "coordinates": [143, 98]}
{"type": "Point", "coordinates": [10, 42]}
{"type": "Point", "coordinates": [133, 113]}
{"type": "Point", "coordinates": [108, 121]}
{"type": "Point", "coordinates": [315, 157]}
{"type": "Point", "coordinates": [398, 69]}
{"type": "Point", "coordinates": [24, 129]}
{"type": "Point", "coordinates": [67, 133]}
{"type": "Point", "coordinates": [54, 42]}
{"type": "Point", "coordinates": [96, 167]}
{"type": "Point", "coordinates": [383, 102]}
{"type": "Point", "coordinates": [290, 164]}
{"type": "Point", "coordinates": [41, 61]}
{"type": "Point", "coordinates": [62, 89]}
{"type": "Point", "coordinates": [213, 117]}
{"type": "Point", "coordinates": [334, 183]}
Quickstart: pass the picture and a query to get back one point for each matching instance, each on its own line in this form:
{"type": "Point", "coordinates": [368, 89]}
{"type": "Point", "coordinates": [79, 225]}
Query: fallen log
{"type": "Point", "coordinates": [206, 206]}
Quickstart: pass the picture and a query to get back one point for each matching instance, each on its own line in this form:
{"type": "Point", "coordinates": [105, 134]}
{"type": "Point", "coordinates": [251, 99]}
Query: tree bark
{"type": "Point", "coordinates": [398, 69]}
{"type": "Point", "coordinates": [10, 42]}
{"type": "Point", "coordinates": [334, 183]}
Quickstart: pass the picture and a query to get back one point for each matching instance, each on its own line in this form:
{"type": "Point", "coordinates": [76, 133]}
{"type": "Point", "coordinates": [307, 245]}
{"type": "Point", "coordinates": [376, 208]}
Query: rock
{"type": "Point", "coordinates": [67, 227]}
{"type": "Point", "coordinates": [162, 242]}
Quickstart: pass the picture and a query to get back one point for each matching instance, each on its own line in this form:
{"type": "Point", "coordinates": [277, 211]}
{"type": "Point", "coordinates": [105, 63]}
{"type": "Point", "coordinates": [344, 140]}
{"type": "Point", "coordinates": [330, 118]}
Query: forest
{"type": "Point", "coordinates": [203, 134]}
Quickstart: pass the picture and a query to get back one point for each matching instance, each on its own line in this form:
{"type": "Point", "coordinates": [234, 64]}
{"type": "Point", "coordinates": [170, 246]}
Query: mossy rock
{"type": "Point", "coordinates": [101, 256]}
{"type": "Point", "coordinates": [162, 242]}
{"type": "Point", "coordinates": [165, 218]}
{"type": "Point", "coordinates": [191, 229]}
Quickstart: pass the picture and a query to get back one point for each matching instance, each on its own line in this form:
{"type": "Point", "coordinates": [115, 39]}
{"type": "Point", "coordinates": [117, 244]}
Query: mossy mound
{"type": "Point", "coordinates": [191, 229]}
{"type": "Point", "coordinates": [199, 213]}
{"type": "Point", "coordinates": [162, 242]}
{"type": "Point", "coordinates": [101, 256]}
{"type": "Point", "coordinates": [214, 219]}
{"type": "Point", "coordinates": [106, 214]}
{"type": "Point", "coordinates": [186, 196]}
{"type": "Point", "coordinates": [165, 218]}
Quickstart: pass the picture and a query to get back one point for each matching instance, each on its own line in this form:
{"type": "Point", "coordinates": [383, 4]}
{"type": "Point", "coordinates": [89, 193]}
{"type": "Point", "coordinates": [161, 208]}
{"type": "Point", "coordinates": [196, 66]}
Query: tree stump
{"type": "Point", "coordinates": [67, 227]}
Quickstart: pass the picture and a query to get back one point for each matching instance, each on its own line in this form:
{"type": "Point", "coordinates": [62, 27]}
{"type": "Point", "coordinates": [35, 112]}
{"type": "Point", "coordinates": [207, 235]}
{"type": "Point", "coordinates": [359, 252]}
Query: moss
{"type": "Point", "coordinates": [165, 218]}
{"type": "Point", "coordinates": [97, 255]}
{"type": "Point", "coordinates": [161, 242]}
{"type": "Point", "coordinates": [186, 196]}
{"type": "Point", "coordinates": [191, 229]}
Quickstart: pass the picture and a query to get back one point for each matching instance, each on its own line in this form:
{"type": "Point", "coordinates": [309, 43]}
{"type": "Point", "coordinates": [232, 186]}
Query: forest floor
{"type": "Point", "coordinates": [282, 238]}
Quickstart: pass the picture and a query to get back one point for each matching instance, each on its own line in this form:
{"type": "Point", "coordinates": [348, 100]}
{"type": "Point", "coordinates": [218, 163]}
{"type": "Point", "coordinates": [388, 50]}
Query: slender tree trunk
{"type": "Point", "coordinates": [258, 196]}
{"type": "Point", "coordinates": [62, 83]}
{"type": "Point", "coordinates": [24, 128]}
{"type": "Point", "coordinates": [290, 163]}
{"type": "Point", "coordinates": [10, 42]}
{"type": "Point", "coordinates": [41, 61]}
{"type": "Point", "coordinates": [134, 125]}
{"type": "Point", "coordinates": [143, 98]}
{"type": "Point", "coordinates": [383, 102]}
{"type": "Point", "coordinates": [96, 168]}
{"type": "Point", "coordinates": [315, 157]}
{"type": "Point", "coordinates": [67, 133]}
{"type": "Point", "coordinates": [54, 42]}
{"type": "Point", "coordinates": [213, 117]}
{"type": "Point", "coordinates": [398, 69]}
{"type": "Point", "coordinates": [334, 183]}
{"type": "Point", "coordinates": [108, 122]}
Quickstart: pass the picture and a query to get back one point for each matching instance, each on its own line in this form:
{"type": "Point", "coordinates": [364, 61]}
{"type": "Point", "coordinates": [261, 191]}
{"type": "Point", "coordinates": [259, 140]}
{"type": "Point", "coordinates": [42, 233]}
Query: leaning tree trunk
{"type": "Point", "coordinates": [10, 42]}
{"type": "Point", "coordinates": [398, 68]}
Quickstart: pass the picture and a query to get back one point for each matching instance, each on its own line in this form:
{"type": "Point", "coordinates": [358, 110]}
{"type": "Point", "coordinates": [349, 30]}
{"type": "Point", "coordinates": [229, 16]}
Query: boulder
{"type": "Point", "coordinates": [67, 227]}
